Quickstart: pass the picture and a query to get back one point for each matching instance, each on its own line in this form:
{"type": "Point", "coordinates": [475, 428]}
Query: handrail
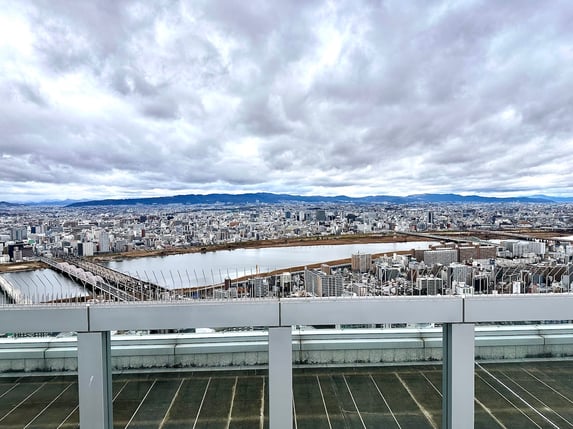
{"type": "Point", "coordinates": [284, 312]}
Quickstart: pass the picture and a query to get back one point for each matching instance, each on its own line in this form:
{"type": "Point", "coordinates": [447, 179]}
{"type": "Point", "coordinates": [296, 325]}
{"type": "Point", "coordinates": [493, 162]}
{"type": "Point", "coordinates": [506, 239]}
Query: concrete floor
{"type": "Point", "coordinates": [524, 395]}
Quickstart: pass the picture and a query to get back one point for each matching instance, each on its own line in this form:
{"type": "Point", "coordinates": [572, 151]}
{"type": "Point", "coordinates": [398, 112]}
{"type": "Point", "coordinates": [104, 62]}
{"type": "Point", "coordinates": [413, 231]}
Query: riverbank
{"type": "Point", "coordinates": [14, 267]}
{"type": "Point", "coordinates": [260, 244]}
{"type": "Point", "coordinates": [295, 269]}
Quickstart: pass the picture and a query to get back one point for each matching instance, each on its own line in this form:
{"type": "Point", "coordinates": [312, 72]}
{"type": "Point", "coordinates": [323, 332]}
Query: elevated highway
{"type": "Point", "coordinates": [482, 235]}
{"type": "Point", "coordinates": [462, 237]}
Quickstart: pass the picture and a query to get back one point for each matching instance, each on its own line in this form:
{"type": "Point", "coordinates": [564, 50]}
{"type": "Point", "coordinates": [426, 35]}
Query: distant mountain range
{"type": "Point", "coordinates": [55, 203]}
{"type": "Point", "coordinates": [59, 203]}
{"type": "Point", "coordinates": [269, 198]}
{"type": "Point", "coordinates": [7, 204]}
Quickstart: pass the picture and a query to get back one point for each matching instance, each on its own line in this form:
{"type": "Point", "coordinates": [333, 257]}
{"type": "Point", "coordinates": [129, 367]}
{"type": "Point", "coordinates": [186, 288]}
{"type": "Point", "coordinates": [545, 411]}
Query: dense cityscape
{"type": "Point", "coordinates": [465, 264]}
{"type": "Point", "coordinates": [286, 214]}
{"type": "Point", "coordinates": [89, 231]}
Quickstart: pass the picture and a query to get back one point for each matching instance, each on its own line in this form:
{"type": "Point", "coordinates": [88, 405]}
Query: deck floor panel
{"type": "Point", "coordinates": [510, 395]}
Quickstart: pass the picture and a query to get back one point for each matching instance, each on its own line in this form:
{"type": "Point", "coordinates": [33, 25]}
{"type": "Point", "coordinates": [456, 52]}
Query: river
{"type": "Point", "coordinates": [198, 269]}
{"type": "Point", "coordinates": [43, 285]}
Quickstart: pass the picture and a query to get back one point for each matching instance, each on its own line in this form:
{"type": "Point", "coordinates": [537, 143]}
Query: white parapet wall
{"type": "Point", "coordinates": [249, 349]}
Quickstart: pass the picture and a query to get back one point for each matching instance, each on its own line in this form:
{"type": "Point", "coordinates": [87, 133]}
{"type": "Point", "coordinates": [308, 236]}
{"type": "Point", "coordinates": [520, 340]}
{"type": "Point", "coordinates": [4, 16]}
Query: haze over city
{"type": "Point", "coordinates": [109, 99]}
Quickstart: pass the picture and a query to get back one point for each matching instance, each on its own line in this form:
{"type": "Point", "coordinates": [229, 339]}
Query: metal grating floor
{"type": "Point", "coordinates": [524, 395]}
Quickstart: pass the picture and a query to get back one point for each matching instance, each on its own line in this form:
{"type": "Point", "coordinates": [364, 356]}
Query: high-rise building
{"type": "Point", "coordinates": [440, 256]}
{"type": "Point", "coordinates": [260, 288]}
{"type": "Point", "coordinates": [225, 293]}
{"type": "Point", "coordinates": [433, 285]}
{"type": "Point", "coordinates": [104, 243]}
{"type": "Point", "coordinates": [385, 273]}
{"type": "Point", "coordinates": [319, 283]}
{"type": "Point", "coordinates": [332, 285]}
{"type": "Point", "coordinates": [19, 233]}
{"type": "Point", "coordinates": [458, 273]}
{"type": "Point", "coordinates": [320, 215]}
{"type": "Point", "coordinates": [312, 282]}
{"type": "Point", "coordinates": [286, 282]}
{"type": "Point", "coordinates": [38, 229]}
{"type": "Point", "coordinates": [481, 283]}
{"type": "Point", "coordinates": [85, 248]}
{"type": "Point", "coordinates": [361, 262]}
{"type": "Point", "coordinates": [17, 252]}
{"type": "Point", "coordinates": [520, 248]}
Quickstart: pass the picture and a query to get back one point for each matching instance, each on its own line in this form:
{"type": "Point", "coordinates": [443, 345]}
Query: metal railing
{"type": "Point", "coordinates": [457, 314]}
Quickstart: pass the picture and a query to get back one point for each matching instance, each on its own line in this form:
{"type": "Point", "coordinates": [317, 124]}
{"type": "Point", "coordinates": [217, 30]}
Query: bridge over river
{"type": "Point", "coordinates": [106, 283]}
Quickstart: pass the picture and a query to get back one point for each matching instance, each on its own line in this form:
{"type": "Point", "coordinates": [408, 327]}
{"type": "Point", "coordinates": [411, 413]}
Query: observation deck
{"type": "Point", "coordinates": [457, 315]}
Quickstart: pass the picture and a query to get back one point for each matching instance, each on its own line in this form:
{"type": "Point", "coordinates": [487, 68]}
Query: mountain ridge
{"type": "Point", "coordinates": [271, 198]}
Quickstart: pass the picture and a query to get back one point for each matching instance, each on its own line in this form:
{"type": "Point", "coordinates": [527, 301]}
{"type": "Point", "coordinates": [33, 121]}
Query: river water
{"type": "Point", "coordinates": [43, 285]}
{"type": "Point", "coordinates": [199, 269]}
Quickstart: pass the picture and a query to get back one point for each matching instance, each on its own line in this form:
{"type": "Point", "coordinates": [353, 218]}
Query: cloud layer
{"type": "Point", "coordinates": [119, 99]}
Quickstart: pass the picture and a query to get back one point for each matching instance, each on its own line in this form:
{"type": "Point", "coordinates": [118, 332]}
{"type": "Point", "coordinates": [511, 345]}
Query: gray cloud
{"type": "Point", "coordinates": [145, 98]}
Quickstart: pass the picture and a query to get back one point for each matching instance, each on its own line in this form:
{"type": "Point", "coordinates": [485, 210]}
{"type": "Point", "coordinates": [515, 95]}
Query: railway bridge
{"type": "Point", "coordinates": [111, 285]}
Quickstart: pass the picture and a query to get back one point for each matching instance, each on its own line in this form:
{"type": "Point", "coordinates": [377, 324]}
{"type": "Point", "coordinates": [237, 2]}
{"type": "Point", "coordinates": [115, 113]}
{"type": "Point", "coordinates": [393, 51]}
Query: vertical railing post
{"type": "Point", "coordinates": [94, 380]}
{"type": "Point", "coordinates": [280, 378]}
{"type": "Point", "coordinates": [458, 375]}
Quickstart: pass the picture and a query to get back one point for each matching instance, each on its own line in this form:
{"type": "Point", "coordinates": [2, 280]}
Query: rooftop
{"type": "Point", "coordinates": [516, 395]}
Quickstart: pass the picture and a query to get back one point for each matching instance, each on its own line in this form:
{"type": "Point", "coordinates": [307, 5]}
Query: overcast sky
{"type": "Point", "coordinates": [105, 99]}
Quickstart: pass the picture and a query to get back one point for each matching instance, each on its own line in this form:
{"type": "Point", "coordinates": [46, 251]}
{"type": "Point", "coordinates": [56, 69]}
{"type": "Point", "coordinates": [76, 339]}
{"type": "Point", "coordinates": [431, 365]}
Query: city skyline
{"type": "Point", "coordinates": [136, 99]}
